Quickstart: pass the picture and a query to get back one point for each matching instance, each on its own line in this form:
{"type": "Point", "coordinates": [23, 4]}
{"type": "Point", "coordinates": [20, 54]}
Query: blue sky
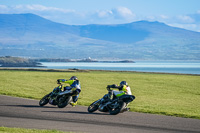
{"type": "Point", "coordinates": [178, 13]}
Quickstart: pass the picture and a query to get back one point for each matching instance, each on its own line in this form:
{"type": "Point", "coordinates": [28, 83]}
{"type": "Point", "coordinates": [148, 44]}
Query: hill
{"type": "Point", "coordinates": [30, 35]}
{"type": "Point", "coordinates": [9, 61]}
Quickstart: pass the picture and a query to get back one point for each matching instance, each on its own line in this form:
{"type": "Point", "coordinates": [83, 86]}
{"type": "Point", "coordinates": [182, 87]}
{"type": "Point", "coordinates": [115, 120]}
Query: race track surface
{"type": "Point", "coordinates": [26, 113]}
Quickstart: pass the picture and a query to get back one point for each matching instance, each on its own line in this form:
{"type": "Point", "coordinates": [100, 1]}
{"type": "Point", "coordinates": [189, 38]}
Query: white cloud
{"type": "Point", "coordinates": [123, 13]}
{"type": "Point", "coordinates": [32, 9]}
{"type": "Point", "coordinates": [193, 27]}
{"type": "Point", "coordinates": [185, 19]}
{"type": "Point", "coordinates": [3, 9]}
{"type": "Point", "coordinates": [150, 18]}
{"type": "Point", "coordinates": [164, 16]}
{"type": "Point", "coordinates": [103, 14]}
{"type": "Point", "coordinates": [161, 18]}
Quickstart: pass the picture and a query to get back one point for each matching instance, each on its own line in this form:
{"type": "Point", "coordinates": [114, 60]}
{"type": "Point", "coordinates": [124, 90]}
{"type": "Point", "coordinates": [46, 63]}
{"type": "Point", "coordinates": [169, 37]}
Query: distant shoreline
{"type": "Point", "coordinates": [87, 60]}
{"type": "Point", "coordinates": [86, 70]}
{"type": "Point", "coordinates": [9, 61]}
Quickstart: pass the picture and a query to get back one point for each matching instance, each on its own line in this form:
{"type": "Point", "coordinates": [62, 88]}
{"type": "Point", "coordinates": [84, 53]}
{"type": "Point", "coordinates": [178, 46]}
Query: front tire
{"type": "Point", "coordinates": [44, 100]}
{"type": "Point", "coordinates": [93, 107]}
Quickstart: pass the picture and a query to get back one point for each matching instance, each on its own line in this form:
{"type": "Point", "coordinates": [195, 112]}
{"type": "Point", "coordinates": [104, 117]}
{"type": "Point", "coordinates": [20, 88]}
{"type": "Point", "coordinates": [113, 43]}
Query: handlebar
{"type": "Point", "coordinates": [59, 84]}
{"type": "Point", "coordinates": [108, 89]}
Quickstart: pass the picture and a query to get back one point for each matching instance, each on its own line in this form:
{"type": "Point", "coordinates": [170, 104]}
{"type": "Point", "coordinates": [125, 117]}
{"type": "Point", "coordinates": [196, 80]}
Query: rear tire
{"type": "Point", "coordinates": [115, 111]}
{"type": "Point", "coordinates": [93, 107]}
{"type": "Point", "coordinates": [64, 101]}
{"type": "Point", "coordinates": [44, 100]}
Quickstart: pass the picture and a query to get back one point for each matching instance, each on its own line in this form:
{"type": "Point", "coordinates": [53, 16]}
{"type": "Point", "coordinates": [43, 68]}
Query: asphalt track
{"type": "Point", "coordinates": [26, 113]}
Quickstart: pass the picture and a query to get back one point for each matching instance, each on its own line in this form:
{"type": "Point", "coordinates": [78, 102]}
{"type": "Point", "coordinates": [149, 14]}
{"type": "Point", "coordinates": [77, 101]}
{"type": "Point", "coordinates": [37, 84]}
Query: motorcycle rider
{"type": "Point", "coordinates": [123, 88]}
{"type": "Point", "coordinates": [74, 85]}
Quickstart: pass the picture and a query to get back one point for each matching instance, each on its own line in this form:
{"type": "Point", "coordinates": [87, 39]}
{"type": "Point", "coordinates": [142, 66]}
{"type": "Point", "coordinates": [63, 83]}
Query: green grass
{"type": "Point", "coordinates": [22, 130]}
{"type": "Point", "coordinates": [168, 94]}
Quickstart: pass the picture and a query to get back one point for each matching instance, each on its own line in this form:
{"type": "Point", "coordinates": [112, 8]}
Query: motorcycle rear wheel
{"type": "Point", "coordinates": [64, 101]}
{"type": "Point", "coordinates": [93, 107]}
{"type": "Point", "coordinates": [115, 111]}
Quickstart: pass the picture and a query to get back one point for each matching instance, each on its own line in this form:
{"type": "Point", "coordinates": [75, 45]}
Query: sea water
{"type": "Point", "coordinates": [184, 67]}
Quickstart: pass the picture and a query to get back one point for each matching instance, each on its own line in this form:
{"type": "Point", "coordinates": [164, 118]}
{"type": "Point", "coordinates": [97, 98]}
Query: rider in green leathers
{"type": "Point", "coordinates": [123, 88]}
{"type": "Point", "coordinates": [74, 86]}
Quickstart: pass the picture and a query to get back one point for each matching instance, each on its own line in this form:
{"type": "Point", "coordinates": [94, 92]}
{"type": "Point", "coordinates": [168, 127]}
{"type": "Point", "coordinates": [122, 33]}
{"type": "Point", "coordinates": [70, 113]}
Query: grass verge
{"type": "Point", "coordinates": [167, 94]}
{"type": "Point", "coordinates": [22, 130]}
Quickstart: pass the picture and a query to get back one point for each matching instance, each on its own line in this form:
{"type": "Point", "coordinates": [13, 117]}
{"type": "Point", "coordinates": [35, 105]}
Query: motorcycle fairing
{"type": "Point", "coordinates": [127, 98]}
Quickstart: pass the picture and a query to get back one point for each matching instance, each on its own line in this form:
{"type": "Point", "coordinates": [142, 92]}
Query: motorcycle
{"type": "Point", "coordinates": [115, 106]}
{"type": "Point", "coordinates": [57, 97]}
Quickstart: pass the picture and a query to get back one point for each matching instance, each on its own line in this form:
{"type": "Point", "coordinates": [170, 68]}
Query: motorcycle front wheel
{"type": "Point", "coordinates": [115, 109]}
{"type": "Point", "coordinates": [93, 107]}
{"type": "Point", "coordinates": [44, 100]}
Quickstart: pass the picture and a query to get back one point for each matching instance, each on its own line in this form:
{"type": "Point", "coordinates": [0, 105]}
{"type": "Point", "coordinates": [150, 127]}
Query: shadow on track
{"type": "Point", "coordinates": [30, 106]}
{"type": "Point", "coordinates": [76, 112]}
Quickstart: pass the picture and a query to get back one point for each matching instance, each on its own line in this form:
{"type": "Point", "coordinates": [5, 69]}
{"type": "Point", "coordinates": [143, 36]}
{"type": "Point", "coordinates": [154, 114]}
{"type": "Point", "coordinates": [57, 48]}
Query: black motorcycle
{"type": "Point", "coordinates": [57, 97]}
{"type": "Point", "coordinates": [115, 106]}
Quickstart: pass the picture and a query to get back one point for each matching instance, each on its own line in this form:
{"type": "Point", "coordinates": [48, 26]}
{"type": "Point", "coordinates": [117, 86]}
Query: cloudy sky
{"type": "Point", "coordinates": [178, 13]}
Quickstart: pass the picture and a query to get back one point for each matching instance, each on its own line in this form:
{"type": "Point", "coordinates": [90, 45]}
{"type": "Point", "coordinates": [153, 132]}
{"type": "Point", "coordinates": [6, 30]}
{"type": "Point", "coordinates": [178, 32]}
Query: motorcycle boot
{"type": "Point", "coordinates": [73, 104]}
{"type": "Point", "coordinates": [125, 109]}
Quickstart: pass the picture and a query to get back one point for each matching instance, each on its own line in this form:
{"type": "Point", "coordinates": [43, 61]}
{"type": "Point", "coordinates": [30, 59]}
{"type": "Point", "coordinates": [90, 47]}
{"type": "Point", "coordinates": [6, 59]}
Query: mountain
{"type": "Point", "coordinates": [30, 35]}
